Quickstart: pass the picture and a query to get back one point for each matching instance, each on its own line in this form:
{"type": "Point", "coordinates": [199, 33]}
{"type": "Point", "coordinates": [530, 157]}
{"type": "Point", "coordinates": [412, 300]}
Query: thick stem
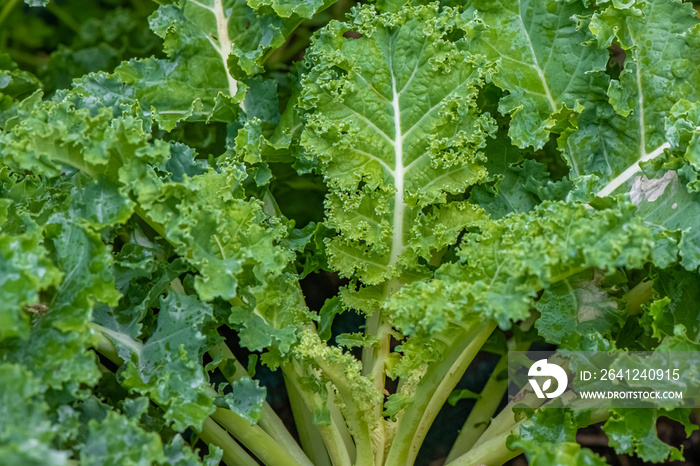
{"type": "Point", "coordinates": [332, 438]}
{"type": "Point", "coordinates": [269, 421]}
{"type": "Point", "coordinates": [374, 359]}
{"type": "Point", "coordinates": [234, 454]}
{"type": "Point", "coordinates": [480, 417]}
{"type": "Point", "coordinates": [433, 390]}
{"type": "Point", "coordinates": [483, 410]}
{"type": "Point", "coordinates": [211, 432]}
{"type": "Point", "coordinates": [309, 435]}
{"type": "Point", "coordinates": [338, 419]}
{"type": "Point", "coordinates": [254, 439]}
{"type": "Point", "coordinates": [506, 418]}
{"type": "Point", "coordinates": [493, 452]}
{"type": "Point", "coordinates": [359, 428]}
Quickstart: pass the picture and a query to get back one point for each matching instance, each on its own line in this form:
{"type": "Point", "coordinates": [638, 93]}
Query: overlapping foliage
{"type": "Point", "coordinates": [482, 175]}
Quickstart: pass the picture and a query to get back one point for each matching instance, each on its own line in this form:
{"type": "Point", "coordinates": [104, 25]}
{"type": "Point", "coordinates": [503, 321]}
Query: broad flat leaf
{"type": "Point", "coordinates": [544, 64]}
{"type": "Point", "coordinates": [211, 44]}
{"type": "Point", "coordinates": [577, 313]}
{"type": "Point", "coordinates": [393, 122]}
{"type": "Point", "coordinates": [666, 205]}
{"type": "Point", "coordinates": [660, 40]}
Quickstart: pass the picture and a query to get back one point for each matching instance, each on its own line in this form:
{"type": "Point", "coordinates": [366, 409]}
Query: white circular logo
{"type": "Point", "coordinates": [542, 368]}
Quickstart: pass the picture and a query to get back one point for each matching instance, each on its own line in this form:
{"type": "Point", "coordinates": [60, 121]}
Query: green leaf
{"type": "Point", "coordinates": [666, 206]}
{"type": "Point", "coordinates": [519, 189]}
{"type": "Point", "coordinates": [58, 360]}
{"type": "Point", "coordinates": [222, 40]}
{"type": "Point", "coordinates": [178, 453]}
{"type": "Point", "coordinates": [506, 262]}
{"type": "Point", "coordinates": [393, 121]}
{"type": "Point", "coordinates": [287, 8]}
{"type": "Point", "coordinates": [633, 431]}
{"type": "Point", "coordinates": [117, 440]}
{"type": "Point", "coordinates": [549, 437]}
{"type": "Point", "coordinates": [76, 132]}
{"type": "Point", "coordinates": [168, 366]}
{"type": "Point", "coordinates": [25, 270]}
{"type": "Point", "coordinates": [87, 273]}
{"type": "Point", "coordinates": [578, 313]}
{"type": "Point", "coordinates": [26, 434]}
{"type": "Point", "coordinates": [106, 37]}
{"type": "Point", "coordinates": [246, 399]}
{"type": "Point", "coordinates": [15, 85]}
{"type": "Point", "coordinates": [674, 289]}
{"type": "Point", "coordinates": [613, 137]}
{"type": "Point", "coordinates": [544, 64]}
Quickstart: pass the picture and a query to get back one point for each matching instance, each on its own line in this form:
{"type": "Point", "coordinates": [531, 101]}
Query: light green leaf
{"type": "Point", "coordinates": [503, 265]}
{"type": "Point", "coordinates": [393, 121]}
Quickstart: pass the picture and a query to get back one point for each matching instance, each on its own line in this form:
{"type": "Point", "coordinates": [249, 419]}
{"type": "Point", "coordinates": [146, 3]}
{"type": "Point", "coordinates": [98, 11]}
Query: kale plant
{"type": "Point", "coordinates": [465, 177]}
